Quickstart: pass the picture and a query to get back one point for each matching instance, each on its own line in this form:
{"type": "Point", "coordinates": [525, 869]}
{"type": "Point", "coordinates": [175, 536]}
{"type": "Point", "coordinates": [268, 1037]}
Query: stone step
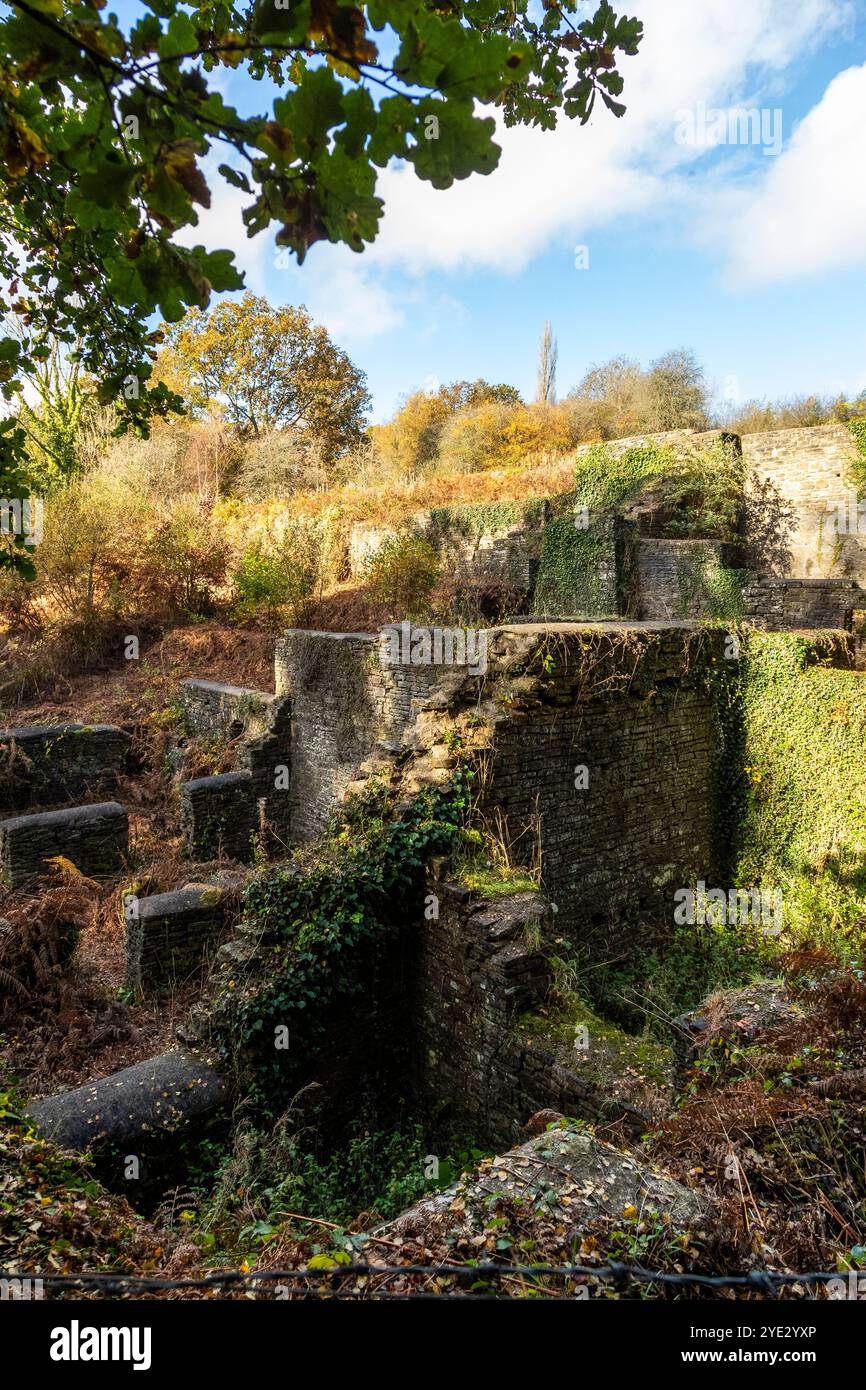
{"type": "Point", "coordinates": [95, 838]}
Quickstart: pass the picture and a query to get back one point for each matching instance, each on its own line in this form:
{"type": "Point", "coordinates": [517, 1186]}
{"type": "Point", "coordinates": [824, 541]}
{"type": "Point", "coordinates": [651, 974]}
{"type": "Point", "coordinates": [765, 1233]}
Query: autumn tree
{"type": "Point", "coordinates": [106, 123]}
{"type": "Point", "coordinates": [618, 398]}
{"type": "Point", "coordinates": [267, 369]}
{"type": "Point", "coordinates": [410, 442]}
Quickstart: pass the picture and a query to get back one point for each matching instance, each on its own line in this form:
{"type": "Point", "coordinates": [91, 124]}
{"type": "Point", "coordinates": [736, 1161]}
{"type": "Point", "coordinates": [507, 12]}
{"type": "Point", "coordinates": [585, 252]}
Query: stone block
{"type": "Point", "coordinates": [167, 935]}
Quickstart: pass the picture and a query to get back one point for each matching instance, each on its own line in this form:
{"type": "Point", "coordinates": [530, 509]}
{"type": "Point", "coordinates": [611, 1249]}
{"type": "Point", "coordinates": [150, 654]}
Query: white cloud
{"type": "Point", "coordinates": [352, 304]}
{"type": "Point", "coordinates": [572, 181]}
{"type": "Point", "coordinates": [808, 214]}
{"type": "Point", "coordinates": [221, 228]}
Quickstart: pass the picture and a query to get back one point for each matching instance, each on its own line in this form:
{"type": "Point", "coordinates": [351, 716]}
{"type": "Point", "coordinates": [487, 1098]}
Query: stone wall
{"type": "Point", "coordinates": [260, 723]}
{"type": "Point", "coordinates": [346, 705]}
{"type": "Point", "coordinates": [810, 471]}
{"type": "Point", "coordinates": [479, 971]}
{"type": "Point", "coordinates": [95, 838]}
{"type": "Point", "coordinates": [668, 576]}
{"type": "Point", "coordinates": [168, 934]}
{"type": "Point", "coordinates": [783, 604]}
{"type": "Point", "coordinates": [220, 816]}
{"type": "Point", "coordinates": [584, 572]}
{"type": "Point", "coordinates": [629, 712]}
{"type": "Point", "coordinates": [44, 764]}
{"type": "Point", "coordinates": [226, 711]}
{"type": "Point", "coordinates": [495, 543]}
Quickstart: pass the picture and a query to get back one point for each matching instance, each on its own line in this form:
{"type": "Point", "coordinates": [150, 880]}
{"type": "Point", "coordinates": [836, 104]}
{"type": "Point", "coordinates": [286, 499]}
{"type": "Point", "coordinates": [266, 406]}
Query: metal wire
{"type": "Point", "coordinates": [760, 1280]}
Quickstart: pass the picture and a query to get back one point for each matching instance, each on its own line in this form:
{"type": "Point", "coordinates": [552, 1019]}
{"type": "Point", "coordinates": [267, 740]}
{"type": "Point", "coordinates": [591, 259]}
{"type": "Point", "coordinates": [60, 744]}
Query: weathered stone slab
{"type": "Point", "coordinates": [95, 838]}
{"type": "Point", "coordinates": [167, 934]}
{"type": "Point", "coordinates": [160, 1094]}
{"type": "Point", "coordinates": [47, 763]}
{"type": "Point", "coordinates": [219, 815]}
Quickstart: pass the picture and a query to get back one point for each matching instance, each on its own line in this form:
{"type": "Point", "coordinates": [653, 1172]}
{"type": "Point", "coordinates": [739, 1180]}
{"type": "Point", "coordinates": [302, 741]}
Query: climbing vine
{"type": "Point", "coordinates": [804, 821]}
{"type": "Point", "coordinates": [321, 921]}
{"type": "Point", "coordinates": [858, 430]}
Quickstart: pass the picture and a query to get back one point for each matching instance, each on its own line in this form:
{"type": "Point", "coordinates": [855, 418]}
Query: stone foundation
{"type": "Point", "coordinates": [47, 763]}
{"type": "Point", "coordinates": [168, 934]}
{"type": "Point", "coordinates": [94, 838]}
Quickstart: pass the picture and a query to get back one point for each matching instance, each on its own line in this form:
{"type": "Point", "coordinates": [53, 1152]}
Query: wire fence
{"type": "Point", "coordinates": [759, 1281]}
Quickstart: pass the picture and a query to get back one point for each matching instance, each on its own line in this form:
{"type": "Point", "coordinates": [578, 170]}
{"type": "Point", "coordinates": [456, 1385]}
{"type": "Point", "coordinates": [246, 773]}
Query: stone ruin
{"type": "Point", "coordinates": [458, 1022]}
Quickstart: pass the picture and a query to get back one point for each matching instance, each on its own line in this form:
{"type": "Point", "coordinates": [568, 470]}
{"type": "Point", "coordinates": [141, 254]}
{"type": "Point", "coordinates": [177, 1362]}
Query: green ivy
{"type": "Point", "coordinates": [804, 819]}
{"type": "Point", "coordinates": [569, 574]}
{"type": "Point", "coordinates": [321, 922]}
{"type": "Point", "coordinates": [858, 430]}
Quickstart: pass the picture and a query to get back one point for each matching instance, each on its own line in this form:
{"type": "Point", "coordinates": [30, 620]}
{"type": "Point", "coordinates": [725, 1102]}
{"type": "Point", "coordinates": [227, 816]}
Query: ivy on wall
{"type": "Point", "coordinates": [709, 588]}
{"type": "Point", "coordinates": [698, 490]}
{"type": "Point", "coordinates": [803, 828]}
{"type": "Point", "coordinates": [858, 430]}
{"type": "Point", "coordinates": [571, 574]}
{"type": "Point", "coordinates": [320, 918]}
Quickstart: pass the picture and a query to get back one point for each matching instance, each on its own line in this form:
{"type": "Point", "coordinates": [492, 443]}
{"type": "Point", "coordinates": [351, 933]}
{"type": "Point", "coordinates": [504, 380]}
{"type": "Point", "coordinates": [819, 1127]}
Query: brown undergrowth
{"type": "Point", "coordinates": [775, 1130]}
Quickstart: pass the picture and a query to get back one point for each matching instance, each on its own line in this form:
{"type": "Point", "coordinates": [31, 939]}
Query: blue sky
{"type": "Point", "coordinates": [755, 260]}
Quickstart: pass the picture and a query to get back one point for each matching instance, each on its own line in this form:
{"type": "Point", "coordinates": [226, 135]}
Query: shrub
{"type": "Point", "coordinates": [402, 573]}
{"type": "Point", "coordinates": [184, 560]}
{"type": "Point", "coordinates": [274, 585]}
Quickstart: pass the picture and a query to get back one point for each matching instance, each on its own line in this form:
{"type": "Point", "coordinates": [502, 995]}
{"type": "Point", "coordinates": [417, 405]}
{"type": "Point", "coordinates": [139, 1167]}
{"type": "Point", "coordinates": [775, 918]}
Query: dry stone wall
{"type": "Point", "coordinates": [345, 705]}
{"type": "Point", "coordinates": [811, 471]}
{"type": "Point", "coordinates": [785, 604]}
{"type": "Point", "coordinates": [668, 576]}
{"type": "Point", "coordinates": [94, 838]}
{"type": "Point", "coordinates": [44, 764]}
{"type": "Point", "coordinates": [479, 967]}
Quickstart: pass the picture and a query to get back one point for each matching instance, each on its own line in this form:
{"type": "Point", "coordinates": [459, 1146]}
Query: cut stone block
{"type": "Point", "coordinates": [94, 838]}
{"type": "Point", "coordinates": [167, 934]}
{"type": "Point", "coordinates": [219, 815]}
